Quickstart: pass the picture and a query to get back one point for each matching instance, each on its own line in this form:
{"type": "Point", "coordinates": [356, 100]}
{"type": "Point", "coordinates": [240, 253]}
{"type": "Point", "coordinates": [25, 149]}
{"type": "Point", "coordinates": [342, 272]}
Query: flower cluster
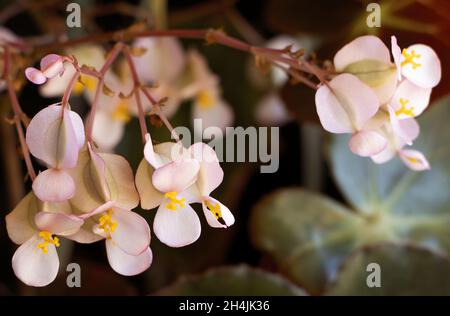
{"type": "Point", "coordinates": [376, 100]}
{"type": "Point", "coordinates": [87, 195]}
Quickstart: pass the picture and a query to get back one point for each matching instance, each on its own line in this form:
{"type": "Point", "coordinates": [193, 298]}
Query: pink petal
{"type": "Point", "coordinates": [219, 115]}
{"type": "Point", "coordinates": [428, 73]}
{"type": "Point", "coordinates": [35, 75]}
{"type": "Point", "coordinates": [52, 65]}
{"type": "Point", "coordinates": [132, 233]}
{"type": "Point", "coordinates": [361, 48]}
{"type": "Point", "coordinates": [34, 267]}
{"type": "Point", "coordinates": [397, 54]}
{"type": "Point", "coordinates": [345, 104]}
{"type": "Point", "coordinates": [210, 174]}
{"type": "Point", "coordinates": [150, 155]}
{"type": "Point", "coordinates": [224, 219]}
{"type": "Point", "coordinates": [176, 176]}
{"type": "Point", "coordinates": [414, 159]}
{"type": "Point", "coordinates": [125, 264]}
{"type": "Point", "coordinates": [176, 228]}
{"type": "Point", "coordinates": [367, 143]}
{"type": "Point", "coordinates": [57, 223]}
{"type": "Point", "coordinates": [54, 185]}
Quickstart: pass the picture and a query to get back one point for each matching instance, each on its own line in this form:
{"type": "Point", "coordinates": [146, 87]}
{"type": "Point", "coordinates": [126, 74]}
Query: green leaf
{"type": "Point", "coordinates": [307, 234]}
{"type": "Point", "coordinates": [239, 280]}
{"type": "Point", "coordinates": [404, 270]}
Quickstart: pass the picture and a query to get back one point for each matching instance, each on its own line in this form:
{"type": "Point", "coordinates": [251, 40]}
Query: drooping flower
{"type": "Point", "coordinates": [55, 135]}
{"type": "Point", "coordinates": [32, 225]}
{"type": "Point", "coordinates": [51, 66]}
{"type": "Point", "coordinates": [346, 105]}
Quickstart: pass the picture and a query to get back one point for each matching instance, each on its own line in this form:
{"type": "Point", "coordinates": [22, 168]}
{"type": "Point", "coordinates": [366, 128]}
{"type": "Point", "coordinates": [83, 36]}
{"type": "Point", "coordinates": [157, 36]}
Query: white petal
{"type": "Point", "coordinates": [54, 185]}
{"type": "Point", "coordinates": [176, 176]}
{"type": "Point", "coordinates": [366, 47]}
{"type": "Point", "coordinates": [410, 100]}
{"type": "Point", "coordinates": [397, 54]}
{"type": "Point", "coordinates": [217, 215]}
{"type": "Point", "coordinates": [367, 143]}
{"type": "Point", "coordinates": [427, 72]}
{"type": "Point", "coordinates": [34, 267]}
{"type": "Point", "coordinates": [107, 132]}
{"type": "Point", "coordinates": [271, 111]}
{"type": "Point", "coordinates": [345, 104]}
{"type": "Point", "coordinates": [414, 159]}
{"type": "Point", "coordinates": [218, 115]}
{"type": "Point", "coordinates": [132, 233]}
{"type": "Point", "coordinates": [177, 228]}
{"type": "Point", "coordinates": [125, 264]}
{"type": "Point", "coordinates": [59, 224]}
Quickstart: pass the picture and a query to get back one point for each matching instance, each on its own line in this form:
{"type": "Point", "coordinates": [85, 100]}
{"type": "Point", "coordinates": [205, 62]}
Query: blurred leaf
{"type": "Point", "coordinates": [422, 272]}
{"type": "Point", "coordinates": [240, 280]}
{"type": "Point", "coordinates": [307, 234]}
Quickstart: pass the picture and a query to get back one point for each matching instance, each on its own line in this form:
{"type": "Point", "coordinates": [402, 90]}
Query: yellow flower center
{"type": "Point", "coordinates": [174, 201]}
{"type": "Point", "coordinates": [121, 112]}
{"type": "Point", "coordinates": [409, 58]}
{"type": "Point", "coordinates": [214, 209]}
{"type": "Point", "coordinates": [412, 159]}
{"type": "Point", "coordinates": [405, 110]}
{"type": "Point", "coordinates": [47, 239]}
{"type": "Point", "coordinates": [205, 100]}
{"type": "Point", "coordinates": [85, 82]}
{"type": "Point", "coordinates": [107, 223]}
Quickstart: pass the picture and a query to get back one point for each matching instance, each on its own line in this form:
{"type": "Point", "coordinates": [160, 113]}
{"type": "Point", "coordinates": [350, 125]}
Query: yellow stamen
{"type": "Point", "coordinates": [409, 58]}
{"type": "Point", "coordinates": [404, 110]}
{"type": "Point", "coordinates": [85, 82]}
{"type": "Point", "coordinates": [47, 239]}
{"type": "Point", "coordinates": [205, 100]}
{"type": "Point", "coordinates": [107, 223]}
{"type": "Point", "coordinates": [412, 159]}
{"type": "Point", "coordinates": [214, 209]}
{"type": "Point", "coordinates": [121, 112]}
{"type": "Point", "coordinates": [174, 201]}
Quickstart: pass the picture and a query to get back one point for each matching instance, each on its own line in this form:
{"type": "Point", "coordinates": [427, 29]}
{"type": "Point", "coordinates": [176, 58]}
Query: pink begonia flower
{"type": "Point", "coordinates": [127, 239]}
{"type": "Point", "coordinates": [210, 176]}
{"type": "Point", "coordinates": [51, 66]}
{"type": "Point", "coordinates": [272, 111]}
{"type": "Point", "coordinates": [55, 136]}
{"type": "Point", "coordinates": [36, 261]}
{"type": "Point", "coordinates": [345, 105]}
{"type": "Point", "coordinates": [409, 100]}
{"type": "Point", "coordinates": [418, 63]}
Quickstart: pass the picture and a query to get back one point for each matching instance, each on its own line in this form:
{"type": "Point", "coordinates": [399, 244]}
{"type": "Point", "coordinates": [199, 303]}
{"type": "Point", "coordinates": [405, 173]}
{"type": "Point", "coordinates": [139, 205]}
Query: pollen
{"type": "Point", "coordinates": [47, 239]}
{"type": "Point", "coordinates": [174, 201]}
{"type": "Point", "coordinates": [121, 112]}
{"type": "Point", "coordinates": [85, 82]}
{"type": "Point", "coordinates": [409, 58]}
{"type": "Point", "coordinates": [107, 223]}
{"type": "Point", "coordinates": [214, 209]}
{"type": "Point", "coordinates": [404, 109]}
{"type": "Point", "coordinates": [205, 100]}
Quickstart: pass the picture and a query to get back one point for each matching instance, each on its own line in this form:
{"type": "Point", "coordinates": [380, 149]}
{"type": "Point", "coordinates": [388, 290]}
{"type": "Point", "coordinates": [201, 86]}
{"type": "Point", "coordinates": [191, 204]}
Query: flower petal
{"type": "Point", "coordinates": [52, 65]}
{"type": "Point", "coordinates": [345, 104]}
{"type": "Point", "coordinates": [132, 233]}
{"type": "Point", "coordinates": [397, 54]}
{"type": "Point", "coordinates": [20, 221]}
{"type": "Point", "coordinates": [414, 159]}
{"type": "Point", "coordinates": [210, 174]}
{"type": "Point", "coordinates": [58, 224]}
{"type": "Point", "coordinates": [367, 143]}
{"type": "Point", "coordinates": [176, 176]}
{"type": "Point", "coordinates": [125, 264]}
{"type": "Point", "coordinates": [54, 185]}
{"type": "Point", "coordinates": [220, 114]}
{"type": "Point", "coordinates": [410, 100]}
{"type": "Point", "coordinates": [177, 228]}
{"type": "Point", "coordinates": [217, 215]}
{"type": "Point", "coordinates": [149, 153]}
{"type": "Point", "coordinates": [423, 70]}
{"type": "Point", "coordinates": [150, 197]}
{"type": "Point", "coordinates": [366, 47]}
{"type": "Point", "coordinates": [34, 267]}
{"type": "Point", "coordinates": [271, 110]}
{"type": "Point", "coordinates": [35, 75]}
{"type": "Point", "coordinates": [107, 132]}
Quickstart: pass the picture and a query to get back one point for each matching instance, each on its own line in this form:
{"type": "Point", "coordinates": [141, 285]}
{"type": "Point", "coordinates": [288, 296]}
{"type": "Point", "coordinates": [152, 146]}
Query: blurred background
{"type": "Point", "coordinates": [280, 243]}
